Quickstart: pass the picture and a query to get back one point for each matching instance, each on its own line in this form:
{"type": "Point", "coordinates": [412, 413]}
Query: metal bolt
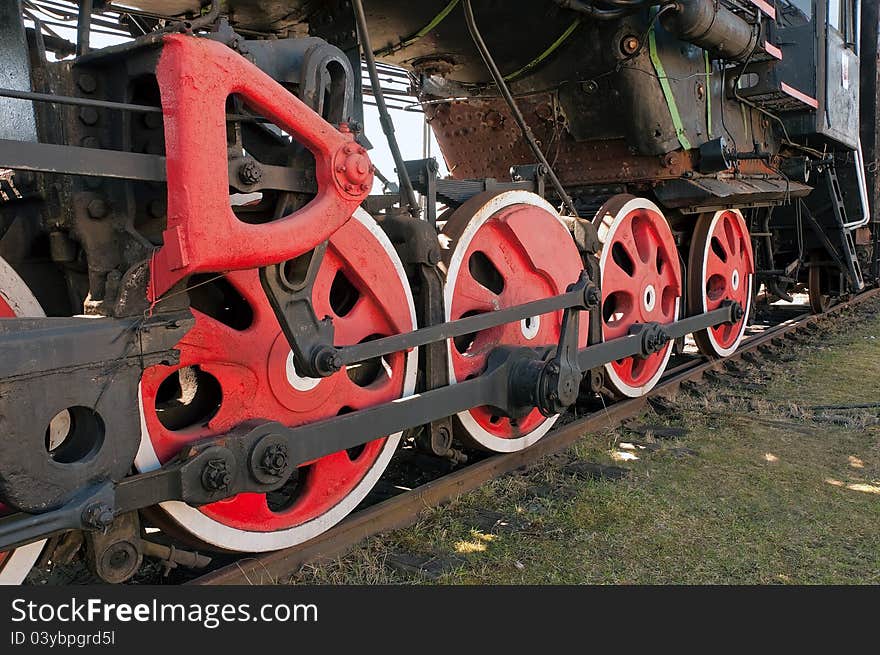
{"type": "Point", "coordinates": [97, 208]}
{"type": "Point", "coordinates": [216, 475]}
{"type": "Point", "coordinates": [87, 83]}
{"type": "Point", "coordinates": [158, 208]}
{"type": "Point", "coordinates": [98, 515]}
{"type": "Point", "coordinates": [250, 172]}
{"type": "Point", "coordinates": [88, 115]}
{"type": "Point", "coordinates": [349, 187]}
{"type": "Point", "coordinates": [629, 44]}
{"type": "Point", "coordinates": [90, 142]}
{"type": "Point", "coordinates": [152, 121]}
{"type": "Point", "coordinates": [275, 460]}
{"type": "Point", "coordinates": [365, 187]}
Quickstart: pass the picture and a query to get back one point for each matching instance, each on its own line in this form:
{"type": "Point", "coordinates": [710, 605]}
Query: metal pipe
{"type": "Point", "coordinates": [863, 191]}
{"type": "Point", "coordinates": [406, 187]}
{"type": "Point", "coordinates": [83, 27]}
{"type": "Point", "coordinates": [712, 27]}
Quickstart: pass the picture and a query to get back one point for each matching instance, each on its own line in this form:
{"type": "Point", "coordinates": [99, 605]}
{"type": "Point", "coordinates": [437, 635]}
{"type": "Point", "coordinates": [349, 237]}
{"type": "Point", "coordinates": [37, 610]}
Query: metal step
{"type": "Point", "coordinates": [846, 235]}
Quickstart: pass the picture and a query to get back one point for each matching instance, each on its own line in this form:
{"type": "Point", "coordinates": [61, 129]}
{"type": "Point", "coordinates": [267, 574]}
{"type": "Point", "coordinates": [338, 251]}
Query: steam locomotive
{"type": "Point", "coordinates": [213, 326]}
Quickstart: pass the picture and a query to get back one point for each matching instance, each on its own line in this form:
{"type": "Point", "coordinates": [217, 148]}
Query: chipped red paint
{"type": "Point", "coordinates": [196, 76]}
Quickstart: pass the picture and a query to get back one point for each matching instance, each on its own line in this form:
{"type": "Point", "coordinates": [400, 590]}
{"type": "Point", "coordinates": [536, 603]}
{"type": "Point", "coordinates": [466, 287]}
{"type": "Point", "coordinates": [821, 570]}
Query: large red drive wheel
{"type": "Point", "coordinates": [236, 365]}
{"type": "Point", "coordinates": [502, 250]}
{"type": "Point", "coordinates": [17, 300]}
{"type": "Point", "coordinates": [641, 283]}
{"type": "Point", "coordinates": [721, 267]}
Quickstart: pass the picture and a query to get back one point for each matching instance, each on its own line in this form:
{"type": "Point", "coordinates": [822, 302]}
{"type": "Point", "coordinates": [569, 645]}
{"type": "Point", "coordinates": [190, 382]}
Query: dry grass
{"type": "Point", "coordinates": [760, 490]}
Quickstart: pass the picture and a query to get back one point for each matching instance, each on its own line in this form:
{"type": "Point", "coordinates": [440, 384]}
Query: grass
{"type": "Point", "coordinates": [760, 490]}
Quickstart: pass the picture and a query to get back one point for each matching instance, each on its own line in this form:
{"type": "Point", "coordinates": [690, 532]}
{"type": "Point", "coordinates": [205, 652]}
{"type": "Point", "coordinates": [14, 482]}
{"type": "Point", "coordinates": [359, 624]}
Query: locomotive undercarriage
{"type": "Point", "coordinates": [236, 326]}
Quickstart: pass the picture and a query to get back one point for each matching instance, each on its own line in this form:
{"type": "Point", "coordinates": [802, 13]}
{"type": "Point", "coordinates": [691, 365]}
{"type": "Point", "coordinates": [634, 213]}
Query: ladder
{"type": "Point", "coordinates": [846, 235]}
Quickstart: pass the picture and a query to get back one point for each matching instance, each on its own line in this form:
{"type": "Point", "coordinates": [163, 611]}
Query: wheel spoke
{"type": "Point", "coordinates": [639, 230]}
{"type": "Point", "coordinates": [499, 257]}
{"type": "Point", "coordinates": [362, 286]}
{"type": "Point", "coordinates": [471, 296]}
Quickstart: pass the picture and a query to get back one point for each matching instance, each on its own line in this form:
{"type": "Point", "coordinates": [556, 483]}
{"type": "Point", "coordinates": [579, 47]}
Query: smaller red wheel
{"type": "Point", "coordinates": [820, 283]}
{"type": "Point", "coordinates": [501, 250]}
{"type": "Point", "coordinates": [641, 283]}
{"type": "Point", "coordinates": [721, 267]}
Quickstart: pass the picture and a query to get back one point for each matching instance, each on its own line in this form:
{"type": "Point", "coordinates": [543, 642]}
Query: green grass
{"type": "Point", "coordinates": [776, 493]}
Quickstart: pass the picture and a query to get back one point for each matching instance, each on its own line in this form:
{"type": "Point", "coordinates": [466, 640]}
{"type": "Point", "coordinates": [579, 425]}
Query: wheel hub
{"type": "Point", "coordinates": [650, 298]}
{"type": "Point", "coordinates": [294, 379]}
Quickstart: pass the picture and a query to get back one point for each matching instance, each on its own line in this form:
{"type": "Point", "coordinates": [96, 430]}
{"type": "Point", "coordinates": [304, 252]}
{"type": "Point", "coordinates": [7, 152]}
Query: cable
{"type": "Point", "coordinates": [511, 103]}
{"type": "Point", "coordinates": [408, 41]}
{"type": "Point", "coordinates": [546, 53]}
{"type": "Point", "coordinates": [387, 125]}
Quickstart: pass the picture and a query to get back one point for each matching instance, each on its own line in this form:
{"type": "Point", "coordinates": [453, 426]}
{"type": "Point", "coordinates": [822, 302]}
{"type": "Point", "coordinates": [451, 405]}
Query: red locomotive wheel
{"type": "Point", "coordinates": [721, 267]}
{"type": "Point", "coordinates": [641, 283]}
{"type": "Point", "coordinates": [502, 250]}
{"type": "Point", "coordinates": [236, 365]}
{"type": "Point", "coordinates": [17, 300]}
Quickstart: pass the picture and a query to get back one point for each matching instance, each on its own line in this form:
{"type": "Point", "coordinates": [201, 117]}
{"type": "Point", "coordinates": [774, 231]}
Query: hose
{"type": "Point", "coordinates": [511, 103]}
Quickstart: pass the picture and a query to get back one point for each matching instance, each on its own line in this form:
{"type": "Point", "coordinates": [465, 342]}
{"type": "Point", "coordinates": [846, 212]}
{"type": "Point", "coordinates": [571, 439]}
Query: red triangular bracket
{"type": "Point", "coordinates": [196, 76]}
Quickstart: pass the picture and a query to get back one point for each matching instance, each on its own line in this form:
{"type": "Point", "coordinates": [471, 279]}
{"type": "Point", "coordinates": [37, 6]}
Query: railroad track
{"type": "Point", "coordinates": [403, 510]}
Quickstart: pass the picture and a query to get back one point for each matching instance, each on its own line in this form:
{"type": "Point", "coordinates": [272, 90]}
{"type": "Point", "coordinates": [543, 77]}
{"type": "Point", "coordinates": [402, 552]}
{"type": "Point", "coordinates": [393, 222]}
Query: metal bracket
{"type": "Point", "coordinates": [288, 287]}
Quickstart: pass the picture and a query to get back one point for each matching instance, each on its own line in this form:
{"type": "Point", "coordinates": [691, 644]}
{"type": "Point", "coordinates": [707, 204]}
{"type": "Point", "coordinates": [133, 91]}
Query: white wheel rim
{"type": "Point", "coordinates": [735, 281]}
{"type": "Point", "coordinates": [222, 536]}
{"type": "Point", "coordinates": [606, 231]}
{"type": "Point", "coordinates": [477, 432]}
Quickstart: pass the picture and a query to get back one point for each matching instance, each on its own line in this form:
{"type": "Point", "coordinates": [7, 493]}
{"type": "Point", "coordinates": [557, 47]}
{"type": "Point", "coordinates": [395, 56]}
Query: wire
{"type": "Point", "coordinates": [549, 51]}
{"type": "Point", "coordinates": [408, 41]}
{"type": "Point", "coordinates": [511, 103]}
{"type": "Point", "coordinates": [409, 195]}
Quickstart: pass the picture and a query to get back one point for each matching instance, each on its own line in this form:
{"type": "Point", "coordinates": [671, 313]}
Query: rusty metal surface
{"type": "Point", "coordinates": [479, 138]}
{"type": "Point", "coordinates": [404, 509]}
